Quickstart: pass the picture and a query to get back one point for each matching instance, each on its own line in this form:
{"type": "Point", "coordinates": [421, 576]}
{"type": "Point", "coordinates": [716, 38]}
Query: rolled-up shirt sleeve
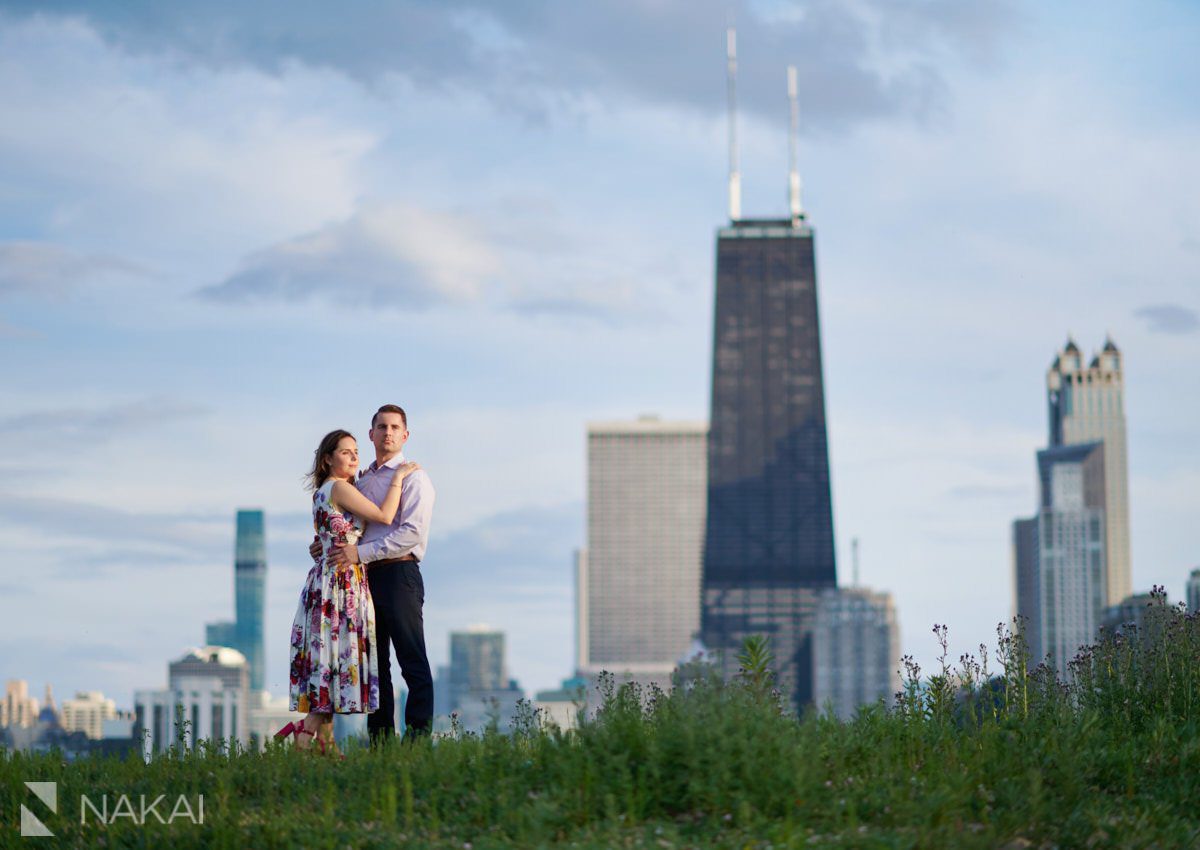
{"type": "Point", "coordinates": [411, 528]}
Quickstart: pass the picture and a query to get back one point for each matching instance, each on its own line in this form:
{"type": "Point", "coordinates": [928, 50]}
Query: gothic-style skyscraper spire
{"type": "Point", "coordinates": [1087, 404]}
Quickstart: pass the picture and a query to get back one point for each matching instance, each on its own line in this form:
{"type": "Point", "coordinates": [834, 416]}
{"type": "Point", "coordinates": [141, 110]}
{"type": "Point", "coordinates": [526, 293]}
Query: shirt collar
{"type": "Point", "coordinates": [391, 464]}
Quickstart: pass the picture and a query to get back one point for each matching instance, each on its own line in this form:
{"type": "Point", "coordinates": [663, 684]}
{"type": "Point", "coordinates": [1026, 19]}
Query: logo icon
{"type": "Point", "coordinates": [47, 792]}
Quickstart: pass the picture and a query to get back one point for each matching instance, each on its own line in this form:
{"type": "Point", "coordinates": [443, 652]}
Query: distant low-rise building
{"type": "Point", "coordinates": [87, 725]}
{"type": "Point", "coordinates": [474, 688]}
{"type": "Point", "coordinates": [18, 707]}
{"type": "Point", "coordinates": [87, 712]}
{"type": "Point", "coordinates": [46, 733]}
{"type": "Point", "coordinates": [561, 706]}
{"type": "Point", "coordinates": [119, 727]}
{"type": "Point", "coordinates": [1131, 612]}
{"type": "Point", "coordinates": [856, 650]}
{"type": "Point", "coordinates": [267, 715]}
{"type": "Point", "coordinates": [206, 698]}
{"type": "Point", "coordinates": [1193, 591]}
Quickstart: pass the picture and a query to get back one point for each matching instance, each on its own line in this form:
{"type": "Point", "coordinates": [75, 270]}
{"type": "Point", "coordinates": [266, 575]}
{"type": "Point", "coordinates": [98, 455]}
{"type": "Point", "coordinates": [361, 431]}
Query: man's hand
{"type": "Point", "coordinates": [315, 548]}
{"type": "Point", "coordinates": [344, 555]}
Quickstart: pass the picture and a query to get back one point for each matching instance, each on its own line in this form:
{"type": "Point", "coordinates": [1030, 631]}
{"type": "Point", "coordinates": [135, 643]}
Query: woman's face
{"type": "Point", "coordinates": [343, 462]}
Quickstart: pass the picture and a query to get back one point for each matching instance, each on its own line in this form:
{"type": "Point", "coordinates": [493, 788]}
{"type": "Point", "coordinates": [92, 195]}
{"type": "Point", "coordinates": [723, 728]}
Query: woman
{"type": "Point", "coordinates": [334, 666]}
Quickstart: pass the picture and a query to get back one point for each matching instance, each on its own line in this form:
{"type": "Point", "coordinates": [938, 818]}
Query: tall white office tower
{"type": "Point", "coordinates": [638, 591]}
{"type": "Point", "coordinates": [856, 650]}
{"type": "Point", "coordinates": [1087, 405]}
{"type": "Point", "coordinates": [1070, 538]}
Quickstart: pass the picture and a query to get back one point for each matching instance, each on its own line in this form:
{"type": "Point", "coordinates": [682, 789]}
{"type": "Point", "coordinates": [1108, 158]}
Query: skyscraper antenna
{"type": "Point", "coordinates": [735, 177]}
{"type": "Point", "coordinates": [854, 560]}
{"type": "Point", "coordinates": [793, 136]}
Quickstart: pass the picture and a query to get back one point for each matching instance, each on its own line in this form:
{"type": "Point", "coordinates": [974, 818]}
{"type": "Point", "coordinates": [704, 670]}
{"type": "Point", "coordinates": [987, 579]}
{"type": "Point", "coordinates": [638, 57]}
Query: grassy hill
{"type": "Point", "coordinates": [968, 757]}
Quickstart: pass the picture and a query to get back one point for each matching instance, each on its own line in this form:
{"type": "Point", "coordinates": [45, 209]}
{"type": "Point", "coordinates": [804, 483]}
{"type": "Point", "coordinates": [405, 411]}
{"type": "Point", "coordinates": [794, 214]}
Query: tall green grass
{"type": "Point", "coordinates": [990, 751]}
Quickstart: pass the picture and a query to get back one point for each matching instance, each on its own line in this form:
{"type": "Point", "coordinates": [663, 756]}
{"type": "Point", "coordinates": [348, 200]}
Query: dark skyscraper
{"type": "Point", "coordinates": [769, 535]}
{"type": "Point", "coordinates": [245, 634]}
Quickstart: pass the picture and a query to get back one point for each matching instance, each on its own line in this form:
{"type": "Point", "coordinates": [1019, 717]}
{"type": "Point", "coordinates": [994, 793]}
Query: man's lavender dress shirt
{"type": "Point", "coordinates": [409, 532]}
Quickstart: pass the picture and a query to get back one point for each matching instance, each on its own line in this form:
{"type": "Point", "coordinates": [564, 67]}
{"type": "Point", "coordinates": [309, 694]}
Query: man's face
{"type": "Point", "coordinates": [388, 434]}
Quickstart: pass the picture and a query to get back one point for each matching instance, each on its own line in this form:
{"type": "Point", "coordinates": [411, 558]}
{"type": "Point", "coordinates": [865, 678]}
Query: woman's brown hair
{"type": "Point", "coordinates": [320, 468]}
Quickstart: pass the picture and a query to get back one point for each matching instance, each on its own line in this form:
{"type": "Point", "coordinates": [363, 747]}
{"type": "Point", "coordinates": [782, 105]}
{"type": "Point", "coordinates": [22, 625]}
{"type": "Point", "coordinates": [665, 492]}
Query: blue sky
{"type": "Point", "coordinates": [225, 230]}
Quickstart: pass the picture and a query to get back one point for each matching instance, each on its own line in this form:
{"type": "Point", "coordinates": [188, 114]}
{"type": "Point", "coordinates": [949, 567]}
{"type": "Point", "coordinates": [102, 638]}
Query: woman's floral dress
{"type": "Point", "coordinates": [334, 667]}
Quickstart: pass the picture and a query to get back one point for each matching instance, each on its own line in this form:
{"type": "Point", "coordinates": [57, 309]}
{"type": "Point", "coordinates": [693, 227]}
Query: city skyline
{"type": "Point", "coordinates": [170, 291]}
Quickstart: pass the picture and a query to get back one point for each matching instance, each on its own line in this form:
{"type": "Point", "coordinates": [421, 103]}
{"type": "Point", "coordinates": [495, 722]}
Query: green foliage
{"type": "Point", "coordinates": [754, 662]}
{"type": "Point", "coordinates": [969, 757]}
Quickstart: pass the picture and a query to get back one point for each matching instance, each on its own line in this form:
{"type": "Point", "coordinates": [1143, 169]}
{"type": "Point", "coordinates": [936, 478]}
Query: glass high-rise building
{"type": "Point", "coordinates": [769, 548]}
{"type": "Point", "coordinates": [245, 633]}
{"type": "Point", "coordinates": [250, 578]}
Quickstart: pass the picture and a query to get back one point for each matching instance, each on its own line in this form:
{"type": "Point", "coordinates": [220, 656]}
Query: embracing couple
{"type": "Point", "coordinates": [364, 593]}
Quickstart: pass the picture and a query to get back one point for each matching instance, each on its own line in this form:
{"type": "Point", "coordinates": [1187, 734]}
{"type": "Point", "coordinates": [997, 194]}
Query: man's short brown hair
{"type": "Point", "coordinates": [391, 408]}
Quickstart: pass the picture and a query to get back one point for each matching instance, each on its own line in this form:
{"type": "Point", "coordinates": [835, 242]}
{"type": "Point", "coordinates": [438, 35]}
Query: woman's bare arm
{"type": "Point", "coordinates": [346, 496]}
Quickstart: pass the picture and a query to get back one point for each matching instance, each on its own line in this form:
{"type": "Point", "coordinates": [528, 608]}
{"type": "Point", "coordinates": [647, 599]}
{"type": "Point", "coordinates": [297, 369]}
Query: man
{"type": "Point", "coordinates": [392, 556]}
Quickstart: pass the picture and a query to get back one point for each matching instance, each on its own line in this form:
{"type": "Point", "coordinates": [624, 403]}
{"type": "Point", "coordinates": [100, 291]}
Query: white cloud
{"type": "Point", "coordinates": [512, 255]}
{"type": "Point", "coordinates": [43, 268]}
{"type": "Point", "coordinates": [163, 163]}
{"type": "Point", "coordinates": [384, 255]}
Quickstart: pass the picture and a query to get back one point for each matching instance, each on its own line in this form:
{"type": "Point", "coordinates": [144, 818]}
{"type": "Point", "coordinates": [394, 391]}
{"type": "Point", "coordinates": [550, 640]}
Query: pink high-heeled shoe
{"type": "Point", "coordinates": [295, 730]}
